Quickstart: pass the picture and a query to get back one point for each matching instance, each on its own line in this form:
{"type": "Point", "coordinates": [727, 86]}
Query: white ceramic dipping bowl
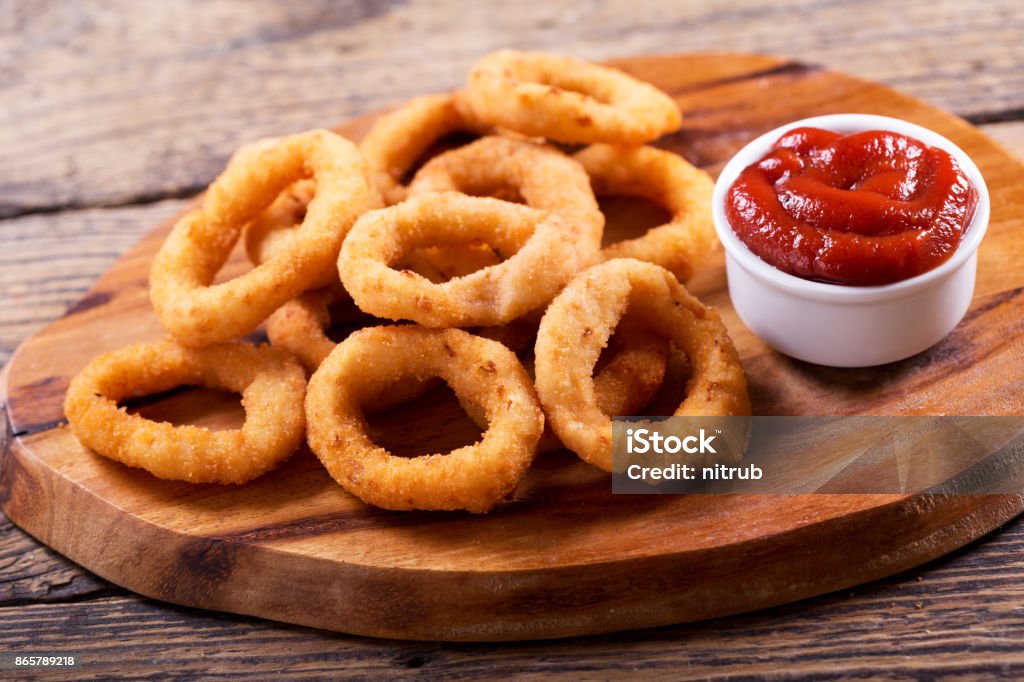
{"type": "Point", "coordinates": [848, 326]}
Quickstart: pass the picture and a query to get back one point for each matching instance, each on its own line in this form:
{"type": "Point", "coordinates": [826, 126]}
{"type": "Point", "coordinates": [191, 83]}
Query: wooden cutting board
{"type": "Point", "coordinates": [565, 557]}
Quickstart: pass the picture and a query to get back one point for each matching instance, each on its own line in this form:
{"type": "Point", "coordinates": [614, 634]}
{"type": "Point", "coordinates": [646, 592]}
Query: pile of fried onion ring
{"type": "Point", "coordinates": [460, 243]}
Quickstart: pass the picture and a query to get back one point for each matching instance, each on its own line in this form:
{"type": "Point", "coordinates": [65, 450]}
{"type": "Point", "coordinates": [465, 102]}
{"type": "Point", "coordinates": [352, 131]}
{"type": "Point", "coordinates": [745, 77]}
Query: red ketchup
{"type": "Point", "coordinates": [868, 208]}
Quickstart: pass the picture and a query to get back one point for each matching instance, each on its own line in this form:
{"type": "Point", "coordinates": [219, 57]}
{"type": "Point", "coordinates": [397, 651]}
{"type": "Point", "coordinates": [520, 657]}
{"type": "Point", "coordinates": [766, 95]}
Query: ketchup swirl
{"type": "Point", "coordinates": [869, 208]}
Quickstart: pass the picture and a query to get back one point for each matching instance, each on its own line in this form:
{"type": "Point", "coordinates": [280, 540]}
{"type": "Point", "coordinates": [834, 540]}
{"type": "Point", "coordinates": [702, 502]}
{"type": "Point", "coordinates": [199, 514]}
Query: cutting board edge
{"type": "Point", "coordinates": [213, 558]}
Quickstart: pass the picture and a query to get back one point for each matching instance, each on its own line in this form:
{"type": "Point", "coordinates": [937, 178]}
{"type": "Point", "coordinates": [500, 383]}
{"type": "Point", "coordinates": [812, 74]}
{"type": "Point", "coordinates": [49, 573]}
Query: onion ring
{"type": "Point", "coordinates": [299, 327]}
{"type": "Point", "coordinates": [272, 231]}
{"type": "Point", "coordinates": [577, 326]}
{"type": "Point", "coordinates": [680, 245]}
{"type": "Point", "coordinates": [400, 138]}
{"type": "Point", "coordinates": [567, 100]}
{"type": "Point", "coordinates": [197, 312]}
{"type": "Point", "coordinates": [542, 176]}
{"type": "Point", "coordinates": [271, 384]}
{"type": "Point", "coordinates": [484, 372]}
{"type": "Point", "coordinates": [634, 372]}
{"type": "Point", "coordinates": [545, 252]}
{"type": "Point", "coordinates": [628, 381]}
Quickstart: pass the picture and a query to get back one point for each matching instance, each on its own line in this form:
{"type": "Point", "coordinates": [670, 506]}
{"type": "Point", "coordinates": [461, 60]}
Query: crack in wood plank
{"type": "Point", "coordinates": [10, 211]}
{"type": "Point", "coordinates": [1011, 115]}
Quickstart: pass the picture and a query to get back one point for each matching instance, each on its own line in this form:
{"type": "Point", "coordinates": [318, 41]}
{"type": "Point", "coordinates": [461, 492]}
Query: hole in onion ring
{"type": "Point", "coordinates": [494, 190]}
{"type": "Point", "coordinates": [673, 388]}
{"type": "Point", "coordinates": [613, 347]}
{"type": "Point", "coordinates": [441, 264]}
{"type": "Point", "coordinates": [433, 422]}
{"type": "Point", "coordinates": [444, 144]}
{"type": "Point", "coordinates": [616, 342]}
{"type": "Point", "coordinates": [210, 408]}
{"type": "Point", "coordinates": [509, 194]}
{"type": "Point", "coordinates": [345, 319]}
{"type": "Point", "coordinates": [628, 217]}
{"type": "Point", "coordinates": [567, 84]}
{"type": "Point", "coordinates": [339, 331]}
{"type": "Point", "coordinates": [631, 369]}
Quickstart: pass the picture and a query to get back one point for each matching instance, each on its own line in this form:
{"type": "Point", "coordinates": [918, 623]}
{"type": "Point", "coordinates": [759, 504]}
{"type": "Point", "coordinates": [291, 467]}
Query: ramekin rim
{"type": "Point", "coordinates": [758, 147]}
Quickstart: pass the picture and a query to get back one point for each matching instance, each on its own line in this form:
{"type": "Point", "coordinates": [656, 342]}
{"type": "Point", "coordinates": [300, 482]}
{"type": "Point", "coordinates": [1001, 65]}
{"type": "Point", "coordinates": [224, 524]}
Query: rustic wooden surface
{"type": "Point", "coordinates": [113, 111]}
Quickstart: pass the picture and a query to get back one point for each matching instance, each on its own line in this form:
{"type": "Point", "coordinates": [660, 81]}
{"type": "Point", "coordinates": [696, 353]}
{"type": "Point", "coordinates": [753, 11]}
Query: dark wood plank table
{"type": "Point", "coordinates": [116, 112]}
